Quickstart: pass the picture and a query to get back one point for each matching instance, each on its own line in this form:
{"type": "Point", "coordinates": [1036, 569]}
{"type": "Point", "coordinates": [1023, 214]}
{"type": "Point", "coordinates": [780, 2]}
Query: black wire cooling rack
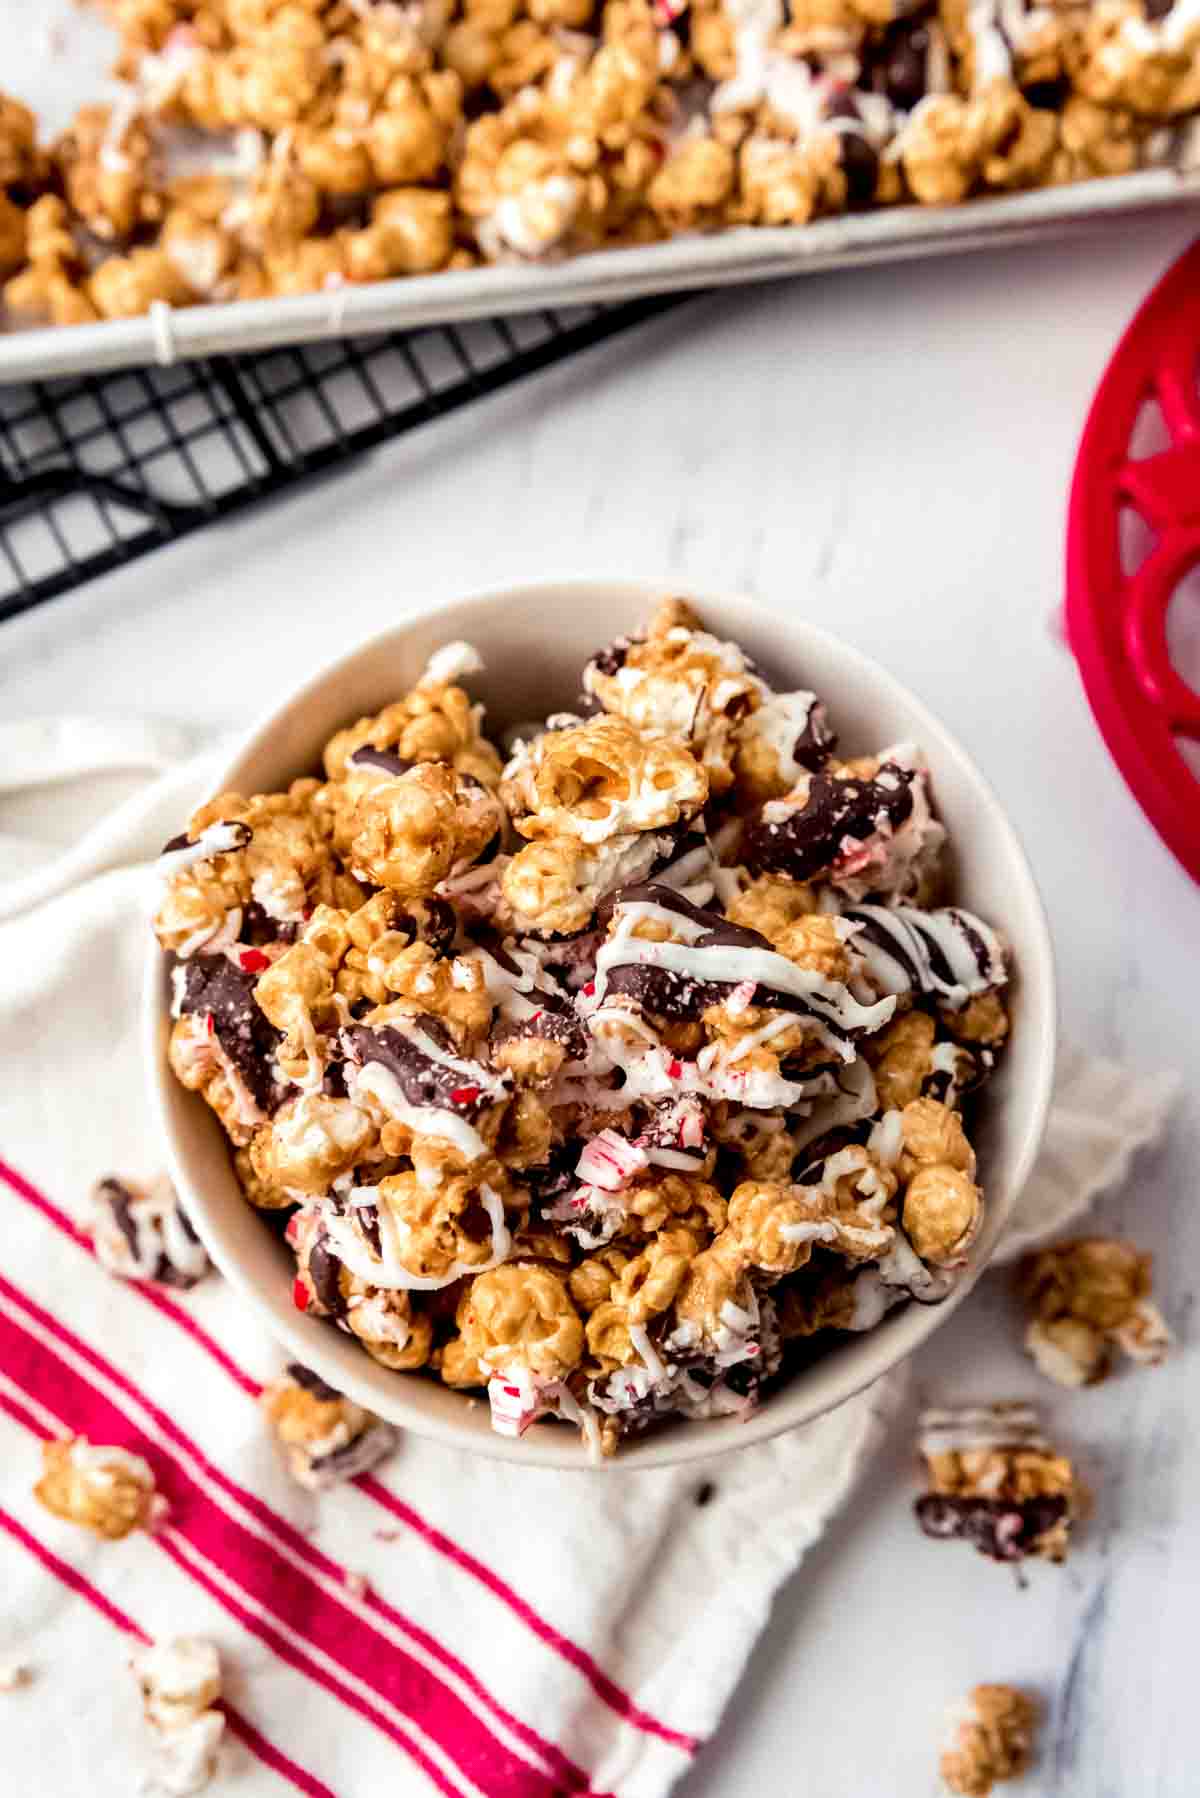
{"type": "Point", "coordinates": [99, 469]}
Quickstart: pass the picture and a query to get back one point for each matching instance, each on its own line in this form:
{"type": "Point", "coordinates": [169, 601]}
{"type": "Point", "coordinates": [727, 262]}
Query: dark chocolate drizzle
{"type": "Point", "coordinates": [118, 1199]}
{"type": "Point", "coordinates": [259, 927]}
{"type": "Point", "coordinates": [423, 1082]}
{"type": "Point", "coordinates": [1003, 1529]}
{"type": "Point", "coordinates": [215, 988]}
{"type": "Point", "coordinates": [430, 920]}
{"type": "Point", "coordinates": [887, 930]}
{"type": "Point", "coordinates": [860, 166]}
{"type": "Point", "coordinates": [680, 998]}
{"type": "Point", "coordinates": [386, 759]}
{"type": "Point", "coordinates": [311, 1382]}
{"type": "Point", "coordinates": [572, 959]}
{"type": "Point", "coordinates": [184, 841]}
{"type": "Point", "coordinates": [681, 839]}
{"type": "Point", "coordinates": [609, 661]}
{"type": "Point", "coordinates": [325, 1274]}
{"type": "Point", "coordinates": [716, 928]}
{"type": "Point", "coordinates": [333, 1083]}
{"type": "Point", "coordinates": [555, 1021]}
{"type": "Point", "coordinates": [553, 1177]}
{"type": "Point", "coordinates": [899, 66]}
{"type": "Point", "coordinates": [808, 839]}
{"type": "Point", "coordinates": [816, 742]}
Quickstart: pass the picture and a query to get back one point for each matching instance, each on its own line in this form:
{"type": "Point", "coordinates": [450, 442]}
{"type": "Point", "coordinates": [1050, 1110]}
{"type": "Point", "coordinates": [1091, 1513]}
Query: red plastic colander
{"type": "Point", "coordinates": [1116, 612]}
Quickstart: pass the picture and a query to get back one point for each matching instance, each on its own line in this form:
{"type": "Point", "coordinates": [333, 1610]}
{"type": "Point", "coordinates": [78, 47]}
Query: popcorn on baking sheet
{"type": "Point", "coordinates": [599, 1078]}
{"type": "Point", "coordinates": [358, 143]}
{"type": "Point", "coordinates": [1087, 1297]}
{"type": "Point", "coordinates": [109, 1491]}
{"type": "Point", "coordinates": [180, 1681]}
{"type": "Point", "coordinates": [988, 1738]}
{"type": "Point", "coordinates": [992, 1479]}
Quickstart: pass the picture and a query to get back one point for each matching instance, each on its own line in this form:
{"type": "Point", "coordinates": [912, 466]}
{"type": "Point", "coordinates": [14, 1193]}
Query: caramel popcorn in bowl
{"type": "Point", "coordinates": [611, 1079]}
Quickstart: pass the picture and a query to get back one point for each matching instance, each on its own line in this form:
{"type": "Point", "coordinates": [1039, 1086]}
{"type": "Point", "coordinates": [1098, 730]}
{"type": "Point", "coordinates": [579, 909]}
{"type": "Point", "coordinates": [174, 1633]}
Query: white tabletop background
{"type": "Point", "coordinates": [887, 454]}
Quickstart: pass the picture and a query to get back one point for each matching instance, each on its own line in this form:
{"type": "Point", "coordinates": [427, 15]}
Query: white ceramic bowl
{"type": "Point", "coordinates": [534, 641]}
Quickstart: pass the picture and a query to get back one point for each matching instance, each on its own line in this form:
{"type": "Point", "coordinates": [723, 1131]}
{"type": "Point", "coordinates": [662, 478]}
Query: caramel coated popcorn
{"type": "Point", "coordinates": [180, 1683]}
{"type": "Point", "coordinates": [989, 1738]}
{"type": "Point", "coordinates": [595, 1078]}
{"type": "Point", "coordinates": [325, 1438]}
{"type": "Point", "coordinates": [371, 141]}
{"type": "Point", "coordinates": [106, 1490]}
{"type": "Point", "coordinates": [992, 1479]}
{"type": "Point", "coordinates": [1087, 1297]}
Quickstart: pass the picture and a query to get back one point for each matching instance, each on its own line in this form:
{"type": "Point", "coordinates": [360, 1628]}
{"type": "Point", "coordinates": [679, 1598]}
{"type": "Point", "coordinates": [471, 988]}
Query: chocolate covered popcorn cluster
{"type": "Point", "coordinates": [356, 140]}
{"type": "Point", "coordinates": [993, 1480]}
{"type": "Point", "coordinates": [324, 1437]}
{"type": "Point", "coordinates": [604, 1078]}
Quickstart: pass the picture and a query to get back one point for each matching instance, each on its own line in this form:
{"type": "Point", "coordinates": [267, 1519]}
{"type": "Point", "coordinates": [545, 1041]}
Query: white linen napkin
{"type": "Point", "coordinates": [521, 1633]}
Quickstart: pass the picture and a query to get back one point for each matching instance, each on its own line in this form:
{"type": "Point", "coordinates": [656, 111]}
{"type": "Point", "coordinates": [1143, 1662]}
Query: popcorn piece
{"type": "Point", "coordinates": [693, 186]}
{"type": "Point", "coordinates": [50, 290]}
{"type": "Point", "coordinates": [106, 1490]}
{"type": "Point", "coordinates": [678, 681]}
{"type": "Point", "coordinates": [105, 160]}
{"type": "Point", "coordinates": [870, 831]}
{"type": "Point", "coordinates": [943, 1208]}
{"type": "Point", "coordinates": [180, 1682]}
{"type": "Point", "coordinates": [14, 1675]}
{"type": "Point", "coordinates": [994, 1481]}
{"type": "Point", "coordinates": [601, 780]}
{"type": "Point", "coordinates": [1140, 57]}
{"type": "Point", "coordinates": [554, 884]}
{"type": "Point", "coordinates": [1087, 1295]}
{"type": "Point", "coordinates": [325, 1438]}
{"type": "Point", "coordinates": [846, 1205]}
{"type": "Point", "coordinates": [413, 830]}
{"type": "Point", "coordinates": [785, 738]}
{"type": "Point", "coordinates": [436, 722]}
{"type": "Point", "coordinates": [143, 1233]}
{"type": "Point", "coordinates": [520, 1315]}
{"type": "Point", "coordinates": [989, 1738]}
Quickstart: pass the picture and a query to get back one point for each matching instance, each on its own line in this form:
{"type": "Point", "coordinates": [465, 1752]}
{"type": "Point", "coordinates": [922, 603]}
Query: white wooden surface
{"type": "Point", "coordinates": [890, 453]}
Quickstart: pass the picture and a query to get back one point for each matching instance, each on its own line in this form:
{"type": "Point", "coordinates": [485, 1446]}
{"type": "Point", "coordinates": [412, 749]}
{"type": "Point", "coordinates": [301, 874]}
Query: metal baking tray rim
{"type": "Point", "coordinates": [737, 255]}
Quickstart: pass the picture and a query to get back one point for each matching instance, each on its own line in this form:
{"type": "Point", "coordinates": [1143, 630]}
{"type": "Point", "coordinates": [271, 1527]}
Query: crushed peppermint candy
{"type": "Point", "coordinates": [741, 998]}
{"type": "Point", "coordinates": [610, 1161]}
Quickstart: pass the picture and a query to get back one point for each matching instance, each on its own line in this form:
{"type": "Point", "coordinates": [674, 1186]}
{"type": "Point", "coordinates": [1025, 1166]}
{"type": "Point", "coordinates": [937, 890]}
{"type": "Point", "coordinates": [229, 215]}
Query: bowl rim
{"type": "Point", "coordinates": [872, 1354]}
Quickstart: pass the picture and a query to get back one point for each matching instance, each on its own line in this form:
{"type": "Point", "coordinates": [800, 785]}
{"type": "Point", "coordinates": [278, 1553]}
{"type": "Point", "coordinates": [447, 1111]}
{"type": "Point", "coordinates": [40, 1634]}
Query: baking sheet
{"type": "Point", "coordinates": [56, 54]}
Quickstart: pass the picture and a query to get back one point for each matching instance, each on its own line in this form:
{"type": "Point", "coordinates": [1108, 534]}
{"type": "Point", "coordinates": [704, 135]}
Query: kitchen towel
{"type": "Point", "coordinates": [445, 1624]}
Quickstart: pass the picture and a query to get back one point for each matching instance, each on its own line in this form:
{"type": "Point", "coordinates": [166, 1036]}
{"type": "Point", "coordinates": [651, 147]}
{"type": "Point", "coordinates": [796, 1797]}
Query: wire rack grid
{"type": "Point", "coordinates": [100, 469]}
